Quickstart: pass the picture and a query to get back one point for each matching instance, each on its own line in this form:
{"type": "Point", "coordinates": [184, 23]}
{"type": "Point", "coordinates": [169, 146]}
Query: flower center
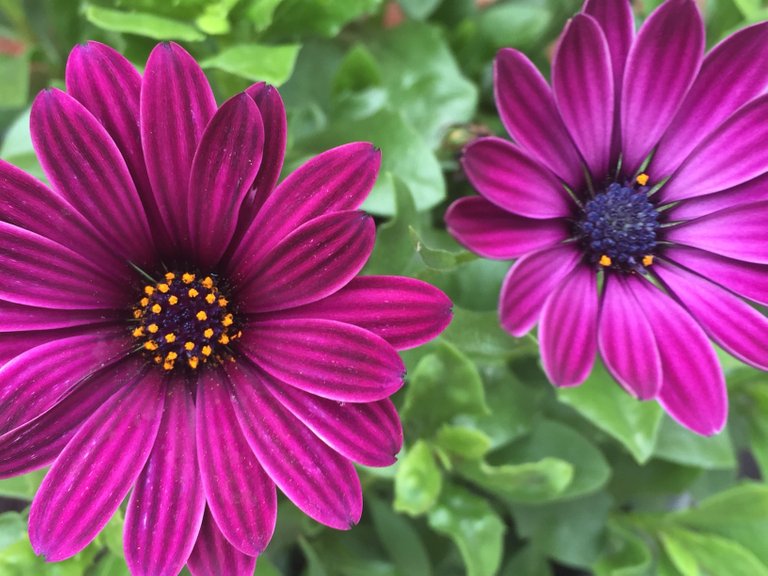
{"type": "Point", "coordinates": [618, 227]}
{"type": "Point", "coordinates": [184, 321]}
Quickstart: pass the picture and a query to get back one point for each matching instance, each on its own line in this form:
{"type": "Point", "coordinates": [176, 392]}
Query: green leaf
{"type": "Point", "coordinates": [445, 384]}
{"type": "Point", "coordinates": [463, 442]}
{"type": "Point", "coordinates": [625, 554]}
{"type": "Point", "coordinates": [554, 440]}
{"type": "Point", "coordinates": [479, 335]}
{"type": "Point", "coordinates": [604, 403]}
{"type": "Point", "coordinates": [142, 24]}
{"type": "Point", "coordinates": [514, 24]}
{"type": "Point", "coordinates": [14, 89]}
{"type": "Point", "coordinates": [110, 565]}
{"type": "Point", "coordinates": [527, 483]}
{"type": "Point", "coordinates": [698, 554]}
{"type": "Point", "coordinates": [261, 12]}
{"type": "Point", "coordinates": [314, 564]}
{"type": "Point", "coordinates": [418, 481]}
{"type": "Point", "coordinates": [256, 62]}
{"type": "Point", "coordinates": [264, 567]}
{"type": "Point", "coordinates": [527, 562]}
{"type": "Point", "coordinates": [215, 17]}
{"type": "Point", "coordinates": [13, 527]}
{"type": "Point", "coordinates": [22, 487]}
{"type": "Point", "coordinates": [419, 9]}
{"type": "Point", "coordinates": [17, 147]}
{"type": "Point", "coordinates": [318, 17]}
{"type": "Point", "coordinates": [358, 71]}
{"type": "Point", "coordinates": [677, 444]}
{"type": "Point", "coordinates": [400, 539]}
{"type": "Point", "coordinates": [437, 258]}
{"type": "Point", "coordinates": [755, 408]}
{"type": "Point", "coordinates": [474, 526]}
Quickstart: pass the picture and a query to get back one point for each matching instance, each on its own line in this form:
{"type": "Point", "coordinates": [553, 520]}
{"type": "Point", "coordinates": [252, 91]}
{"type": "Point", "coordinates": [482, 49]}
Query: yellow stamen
{"type": "Point", "coordinates": [172, 300]}
{"type": "Point", "coordinates": [149, 290]}
{"type": "Point", "coordinates": [144, 302]}
{"type": "Point", "coordinates": [207, 282]}
{"type": "Point", "coordinates": [170, 338]}
{"type": "Point", "coordinates": [206, 350]}
{"type": "Point", "coordinates": [208, 332]}
{"type": "Point", "coordinates": [193, 362]}
{"type": "Point", "coordinates": [168, 365]}
{"type": "Point", "coordinates": [193, 293]}
{"type": "Point", "coordinates": [158, 359]}
{"type": "Point", "coordinates": [223, 302]}
{"type": "Point", "coordinates": [171, 356]}
{"type": "Point", "coordinates": [163, 288]}
{"type": "Point", "coordinates": [210, 298]}
{"type": "Point", "coordinates": [648, 260]}
{"type": "Point", "coordinates": [138, 332]}
{"type": "Point", "coordinates": [224, 339]}
{"type": "Point", "coordinates": [189, 346]}
{"type": "Point", "coordinates": [170, 276]}
{"type": "Point", "coordinates": [156, 308]}
{"type": "Point", "coordinates": [227, 320]}
{"type": "Point", "coordinates": [137, 314]}
{"type": "Point", "coordinates": [150, 345]}
{"type": "Point", "coordinates": [153, 328]}
{"type": "Point", "coordinates": [605, 260]}
{"type": "Point", "coordinates": [642, 179]}
{"type": "Point", "coordinates": [187, 278]}
{"type": "Point", "coordinates": [201, 315]}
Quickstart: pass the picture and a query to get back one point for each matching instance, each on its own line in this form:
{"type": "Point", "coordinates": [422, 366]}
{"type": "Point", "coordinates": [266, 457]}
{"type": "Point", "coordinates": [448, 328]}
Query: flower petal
{"type": "Point", "coordinates": [322, 483]}
{"type": "Point", "coordinates": [733, 73]}
{"type": "Point", "coordinates": [495, 233]}
{"type": "Point", "coordinates": [34, 381]}
{"type": "Point", "coordinates": [658, 76]}
{"type": "Point", "coordinates": [734, 153]}
{"type": "Point", "coordinates": [13, 344]}
{"type": "Point", "coordinates": [528, 110]}
{"type": "Point", "coordinates": [730, 321]}
{"type": "Point", "coordinates": [313, 262]}
{"type": "Point", "coordinates": [507, 176]}
{"type": "Point", "coordinates": [744, 278]}
{"type": "Point", "coordinates": [330, 359]}
{"type": "Point", "coordinates": [582, 81]}
{"type": "Point", "coordinates": [225, 164]}
{"type": "Point", "coordinates": [213, 555]}
{"type": "Point", "coordinates": [176, 105]}
{"type": "Point", "coordinates": [626, 340]}
{"type": "Point", "coordinates": [40, 272]}
{"type": "Point", "coordinates": [693, 392]}
{"type": "Point", "coordinates": [20, 318]}
{"type": "Point", "coordinates": [38, 442]}
{"type": "Point", "coordinates": [369, 433]}
{"type": "Point", "coordinates": [336, 180]}
{"type": "Point", "coordinates": [84, 165]}
{"type": "Point", "coordinates": [756, 190]}
{"type": "Point", "coordinates": [241, 497]}
{"type": "Point", "coordinates": [739, 232]}
{"type": "Point", "coordinates": [617, 23]}
{"type": "Point", "coordinates": [92, 475]}
{"type": "Point", "coordinates": [406, 312]}
{"type": "Point", "coordinates": [568, 328]}
{"type": "Point", "coordinates": [168, 495]}
{"type": "Point", "coordinates": [528, 285]}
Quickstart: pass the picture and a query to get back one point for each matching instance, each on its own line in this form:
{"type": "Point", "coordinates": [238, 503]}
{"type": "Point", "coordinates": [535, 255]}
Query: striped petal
{"type": "Point", "coordinates": [20, 318]}
{"type": "Point", "coordinates": [213, 555]}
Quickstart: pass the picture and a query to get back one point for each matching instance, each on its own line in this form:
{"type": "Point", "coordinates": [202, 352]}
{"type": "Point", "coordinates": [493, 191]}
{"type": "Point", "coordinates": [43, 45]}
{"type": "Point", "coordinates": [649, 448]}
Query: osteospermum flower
{"type": "Point", "coordinates": [634, 196]}
{"type": "Point", "coordinates": [174, 323]}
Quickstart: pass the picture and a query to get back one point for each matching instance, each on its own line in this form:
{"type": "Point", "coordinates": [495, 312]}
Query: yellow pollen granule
{"type": "Point", "coordinates": [138, 332]}
{"type": "Point", "coordinates": [208, 332]}
{"type": "Point", "coordinates": [206, 350]}
{"type": "Point", "coordinates": [210, 298]}
{"type": "Point", "coordinates": [171, 356]}
{"type": "Point", "coordinates": [170, 338]}
{"type": "Point", "coordinates": [227, 321]}
{"type": "Point", "coordinates": [158, 359]}
{"type": "Point", "coordinates": [201, 315]}
{"type": "Point", "coordinates": [156, 308]}
{"type": "Point", "coordinates": [149, 290]}
{"type": "Point", "coordinates": [193, 362]}
{"type": "Point", "coordinates": [189, 346]}
{"type": "Point", "coordinates": [642, 179]}
{"type": "Point", "coordinates": [193, 293]}
{"type": "Point", "coordinates": [605, 260]}
{"type": "Point", "coordinates": [172, 300]}
{"type": "Point", "coordinates": [163, 288]}
{"type": "Point", "coordinates": [153, 328]}
{"type": "Point", "coordinates": [137, 314]}
{"type": "Point", "coordinates": [187, 278]}
{"type": "Point", "coordinates": [648, 260]}
{"type": "Point", "coordinates": [150, 345]}
{"type": "Point", "coordinates": [170, 276]}
{"type": "Point", "coordinates": [168, 365]}
{"type": "Point", "coordinates": [207, 282]}
{"type": "Point", "coordinates": [224, 339]}
{"type": "Point", "coordinates": [144, 302]}
{"type": "Point", "coordinates": [223, 302]}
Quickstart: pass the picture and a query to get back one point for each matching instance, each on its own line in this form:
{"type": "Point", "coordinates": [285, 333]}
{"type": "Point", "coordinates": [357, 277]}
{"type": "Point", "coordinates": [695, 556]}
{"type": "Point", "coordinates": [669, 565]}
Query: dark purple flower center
{"type": "Point", "coordinates": [618, 227]}
{"type": "Point", "coordinates": [184, 321]}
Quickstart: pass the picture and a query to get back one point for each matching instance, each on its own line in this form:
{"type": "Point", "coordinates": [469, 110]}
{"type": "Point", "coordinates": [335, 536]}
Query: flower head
{"type": "Point", "coordinates": [635, 197]}
{"type": "Point", "coordinates": [175, 322]}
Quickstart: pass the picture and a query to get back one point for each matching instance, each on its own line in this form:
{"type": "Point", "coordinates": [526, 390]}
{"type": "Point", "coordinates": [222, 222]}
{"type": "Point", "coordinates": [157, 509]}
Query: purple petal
{"type": "Point", "coordinates": [336, 180]}
{"type": "Point", "coordinates": [582, 81]}
{"type": "Point", "coordinates": [26, 203]}
{"type": "Point", "coordinates": [213, 555]}
{"type": "Point", "coordinates": [40, 272]}
{"type": "Point", "coordinates": [166, 507]}
{"type": "Point", "coordinates": [13, 344]}
{"type": "Point", "coordinates": [495, 233]}
{"type": "Point", "coordinates": [369, 433]}
{"type": "Point", "coordinates": [693, 391]}
{"type": "Point", "coordinates": [661, 66]}
{"type": "Point", "coordinates": [528, 110]}
{"type": "Point", "coordinates": [322, 483]}
{"type": "Point", "coordinates": [240, 495]}
{"type": "Point", "coordinates": [626, 340]}
{"type": "Point", "coordinates": [330, 359]}
{"type": "Point", "coordinates": [176, 105]}
{"type": "Point", "coordinates": [513, 181]}
{"type": "Point", "coordinates": [528, 285]}
{"type": "Point", "coordinates": [92, 475]}
{"type": "Point", "coordinates": [84, 165]}
{"type": "Point", "coordinates": [109, 86]}
{"type": "Point", "coordinates": [733, 73]}
{"type": "Point", "coordinates": [34, 381]}
{"type": "Point", "coordinates": [731, 155]}
{"type": "Point", "coordinates": [404, 311]}
{"type": "Point", "coordinates": [739, 232]}
{"type": "Point", "coordinates": [568, 328]}
{"type": "Point", "coordinates": [756, 190]}
{"type": "Point", "coordinates": [38, 442]}
{"type": "Point", "coordinates": [313, 262]}
{"type": "Point", "coordinates": [730, 321]}
{"type": "Point", "coordinates": [225, 164]}
{"type": "Point", "coordinates": [743, 278]}
{"type": "Point", "coordinates": [20, 318]}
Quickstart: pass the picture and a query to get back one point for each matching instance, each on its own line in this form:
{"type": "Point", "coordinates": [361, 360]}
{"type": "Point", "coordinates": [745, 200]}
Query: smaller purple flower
{"type": "Point", "coordinates": [177, 325]}
{"type": "Point", "coordinates": [635, 197]}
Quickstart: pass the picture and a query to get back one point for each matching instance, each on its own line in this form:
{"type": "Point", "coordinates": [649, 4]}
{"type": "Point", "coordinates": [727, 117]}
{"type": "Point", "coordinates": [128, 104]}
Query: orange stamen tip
{"type": "Point", "coordinates": [605, 260]}
{"type": "Point", "coordinates": [642, 179]}
{"type": "Point", "coordinates": [648, 260]}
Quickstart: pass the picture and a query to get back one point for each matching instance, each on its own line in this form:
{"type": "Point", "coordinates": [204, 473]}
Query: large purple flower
{"type": "Point", "coordinates": [174, 322]}
{"type": "Point", "coordinates": [634, 196]}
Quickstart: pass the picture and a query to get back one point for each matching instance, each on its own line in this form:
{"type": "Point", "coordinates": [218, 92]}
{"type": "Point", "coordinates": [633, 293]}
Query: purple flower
{"type": "Point", "coordinates": [635, 197]}
{"type": "Point", "coordinates": [174, 322]}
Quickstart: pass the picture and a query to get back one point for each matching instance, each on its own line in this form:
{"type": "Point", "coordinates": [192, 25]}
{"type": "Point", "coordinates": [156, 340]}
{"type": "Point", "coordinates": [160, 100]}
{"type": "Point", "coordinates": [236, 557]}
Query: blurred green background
{"type": "Point", "coordinates": [500, 473]}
